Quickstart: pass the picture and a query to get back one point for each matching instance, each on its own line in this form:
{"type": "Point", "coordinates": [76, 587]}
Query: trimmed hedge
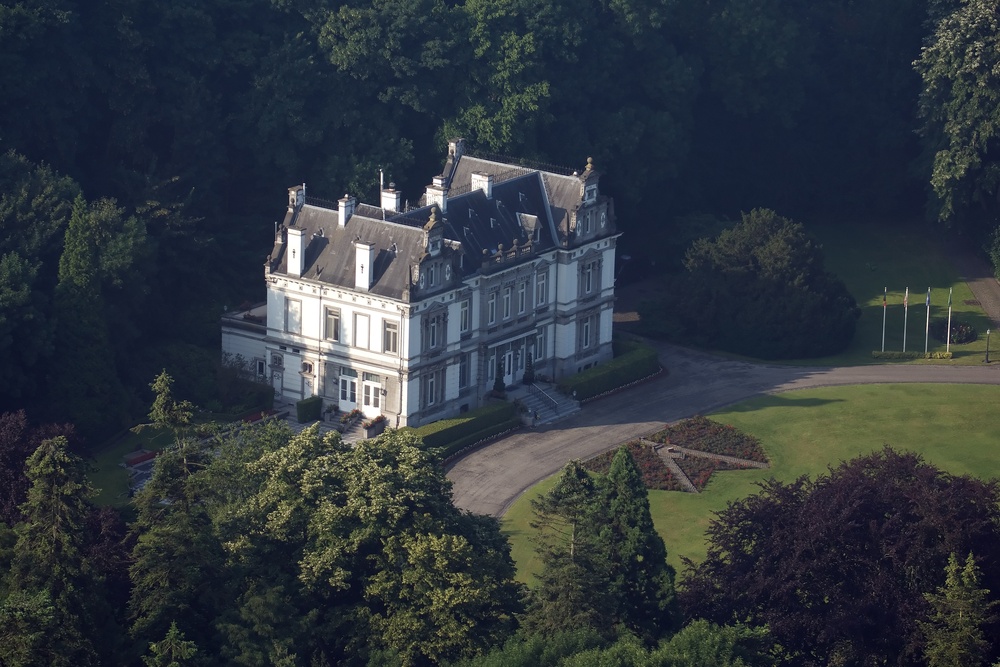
{"type": "Point", "coordinates": [444, 433]}
{"type": "Point", "coordinates": [910, 355]}
{"type": "Point", "coordinates": [488, 432]}
{"type": "Point", "coordinates": [309, 409]}
{"type": "Point", "coordinates": [633, 361]}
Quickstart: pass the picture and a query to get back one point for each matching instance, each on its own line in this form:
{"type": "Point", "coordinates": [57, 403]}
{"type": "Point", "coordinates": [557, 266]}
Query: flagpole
{"type": "Point", "coordinates": [906, 314]}
{"type": "Point", "coordinates": [927, 325]}
{"type": "Point", "coordinates": [885, 294]}
{"type": "Point", "coordinates": [947, 336]}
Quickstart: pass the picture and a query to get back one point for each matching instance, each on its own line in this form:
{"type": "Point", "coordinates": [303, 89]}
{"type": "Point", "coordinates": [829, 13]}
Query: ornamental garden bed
{"type": "Point", "coordinates": [711, 437]}
{"type": "Point", "coordinates": [699, 470]}
{"type": "Point", "coordinates": [655, 473]}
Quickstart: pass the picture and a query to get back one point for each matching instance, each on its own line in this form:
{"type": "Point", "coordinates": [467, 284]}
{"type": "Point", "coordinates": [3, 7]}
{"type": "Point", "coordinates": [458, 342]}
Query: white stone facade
{"type": "Point", "coordinates": [411, 314]}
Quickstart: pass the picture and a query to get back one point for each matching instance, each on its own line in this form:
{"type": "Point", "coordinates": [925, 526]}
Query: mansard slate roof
{"type": "Point", "coordinates": [524, 200]}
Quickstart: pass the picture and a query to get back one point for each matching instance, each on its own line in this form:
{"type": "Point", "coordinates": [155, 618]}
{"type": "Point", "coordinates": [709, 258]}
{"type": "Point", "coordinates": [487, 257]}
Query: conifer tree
{"type": "Point", "coordinates": [573, 590]}
{"type": "Point", "coordinates": [959, 610]}
{"type": "Point", "coordinates": [49, 552]}
{"type": "Point", "coordinates": [641, 582]}
{"type": "Point", "coordinates": [171, 651]}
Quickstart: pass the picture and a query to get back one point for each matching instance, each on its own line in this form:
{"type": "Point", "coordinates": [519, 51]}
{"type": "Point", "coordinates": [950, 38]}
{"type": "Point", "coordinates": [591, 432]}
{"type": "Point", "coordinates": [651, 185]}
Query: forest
{"type": "Point", "coordinates": [146, 146]}
{"type": "Point", "coordinates": [145, 149]}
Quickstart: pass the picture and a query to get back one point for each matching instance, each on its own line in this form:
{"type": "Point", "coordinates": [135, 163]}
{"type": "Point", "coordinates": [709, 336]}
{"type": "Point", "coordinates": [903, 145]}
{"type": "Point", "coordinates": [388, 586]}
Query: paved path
{"type": "Point", "coordinates": [488, 480]}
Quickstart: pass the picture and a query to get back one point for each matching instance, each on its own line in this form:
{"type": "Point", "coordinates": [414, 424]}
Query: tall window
{"type": "Point", "coordinates": [541, 289]}
{"type": "Point", "coordinates": [588, 278]}
{"type": "Point", "coordinates": [293, 316]}
{"type": "Point", "coordinates": [493, 308]}
{"type": "Point", "coordinates": [464, 316]}
{"type": "Point", "coordinates": [540, 345]}
{"type": "Point", "coordinates": [431, 275]}
{"type": "Point", "coordinates": [432, 386]}
{"type": "Point", "coordinates": [521, 297]}
{"type": "Point", "coordinates": [361, 338]}
{"type": "Point", "coordinates": [333, 324]}
{"type": "Point", "coordinates": [390, 337]}
{"type": "Point", "coordinates": [506, 302]}
{"type": "Point", "coordinates": [586, 333]}
{"type": "Point", "coordinates": [463, 371]}
{"type": "Point", "coordinates": [432, 333]}
{"type": "Point", "coordinates": [348, 385]}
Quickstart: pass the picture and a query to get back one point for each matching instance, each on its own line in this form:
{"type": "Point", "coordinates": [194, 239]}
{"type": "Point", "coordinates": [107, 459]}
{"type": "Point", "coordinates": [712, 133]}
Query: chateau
{"type": "Point", "coordinates": [413, 313]}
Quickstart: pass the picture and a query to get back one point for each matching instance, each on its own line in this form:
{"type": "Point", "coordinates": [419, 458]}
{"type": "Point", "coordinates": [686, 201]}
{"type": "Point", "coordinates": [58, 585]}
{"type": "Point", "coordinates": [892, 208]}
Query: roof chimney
{"type": "Point", "coordinates": [456, 147]}
{"type": "Point", "coordinates": [295, 253]}
{"type": "Point", "coordinates": [392, 200]}
{"type": "Point", "coordinates": [346, 209]}
{"type": "Point", "coordinates": [437, 193]}
{"type": "Point", "coordinates": [484, 182]}
{"type": "Point", "coordinates": [364, 261]}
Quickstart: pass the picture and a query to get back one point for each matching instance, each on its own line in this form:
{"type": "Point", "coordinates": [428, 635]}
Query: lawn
{"type": "Point", "coordinates": [804, 432]}
{"type": "Point", "coordinates": [105, 471]}
{"type": "Point", "coordinates": [870, 258]}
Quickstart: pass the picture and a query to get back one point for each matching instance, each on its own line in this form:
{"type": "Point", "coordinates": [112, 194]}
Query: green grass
{"type": "Point", "coordinates": [805, 432]}
{"type": "Point", "coordinates": [108, 476]}
{"type": "Point", "coordinates": [869, 258]}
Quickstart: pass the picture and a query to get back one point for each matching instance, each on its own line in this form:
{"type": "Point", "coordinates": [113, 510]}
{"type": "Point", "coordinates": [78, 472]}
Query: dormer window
{"type": "Point", "coordinates": [431, 273]}
{"type": "Point", "coordinates": [590, 194]}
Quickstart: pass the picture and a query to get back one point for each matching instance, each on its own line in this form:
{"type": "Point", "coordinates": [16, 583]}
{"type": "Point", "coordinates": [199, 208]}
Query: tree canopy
{"type": "Point", "coordinates": [838, 567]}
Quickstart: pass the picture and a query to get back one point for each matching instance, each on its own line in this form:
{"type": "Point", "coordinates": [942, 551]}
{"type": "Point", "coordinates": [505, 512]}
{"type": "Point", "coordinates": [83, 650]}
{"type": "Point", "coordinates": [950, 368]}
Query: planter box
{"type": "Point", "coordinates": [375, 429]}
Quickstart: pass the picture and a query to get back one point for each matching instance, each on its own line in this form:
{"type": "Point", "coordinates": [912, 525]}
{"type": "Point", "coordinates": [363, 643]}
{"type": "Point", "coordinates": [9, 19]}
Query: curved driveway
{"type": "Point", "coordinates": [489, 479]}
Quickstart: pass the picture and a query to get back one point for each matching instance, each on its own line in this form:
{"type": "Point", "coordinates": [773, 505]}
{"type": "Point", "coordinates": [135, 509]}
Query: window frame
{"type": "Point", "coordinates": [541, 288]}
{"type": "Point", "coordinates": [390, 337]}
{"type": "Point", "coordinates": [334, 314]}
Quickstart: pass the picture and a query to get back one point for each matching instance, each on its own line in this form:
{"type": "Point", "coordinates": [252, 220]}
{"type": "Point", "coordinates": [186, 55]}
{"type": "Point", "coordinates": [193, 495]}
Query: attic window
{"type": "Point", "coordinates": [590, 194]}
{"type": "Point", "coordinates": [523, 198]}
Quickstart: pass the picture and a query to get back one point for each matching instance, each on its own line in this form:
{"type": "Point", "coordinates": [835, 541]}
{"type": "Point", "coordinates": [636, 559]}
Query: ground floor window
{"type": "Point", "coordinates": [432, 389]}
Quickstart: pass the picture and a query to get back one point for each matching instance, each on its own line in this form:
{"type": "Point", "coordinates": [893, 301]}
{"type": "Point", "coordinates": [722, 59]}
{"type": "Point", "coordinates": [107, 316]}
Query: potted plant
{"type": "Point", "coordinates": [529, 371]}
{"type": "Point", "coordinates": [332, 410]}
{"type": "Point", "coordinates": [374, 426]}
{"type": "Point", "coordinates": [499, 389]}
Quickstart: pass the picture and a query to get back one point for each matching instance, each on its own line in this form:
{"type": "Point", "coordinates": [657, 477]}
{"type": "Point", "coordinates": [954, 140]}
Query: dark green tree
{"type": "Point", "coordinates": [959, 611]}
{"type": "Point", "coordinates": [25, 622]}
{"type": "Point", "coordinates": [641, 583]}
{"type": "Point", "coordinates": [49, 554]}
{"type": "Point", "coordinates": [573, 590]}
{"type": "Point", "coordinates": [960, 109]}
{"type": "Point", "coordinates": [760, 289]}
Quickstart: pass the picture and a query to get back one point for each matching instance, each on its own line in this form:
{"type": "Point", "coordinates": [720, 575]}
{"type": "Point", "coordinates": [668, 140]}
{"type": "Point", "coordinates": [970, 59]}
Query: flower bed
{"type": "Point", "coordinates": [961, 332]}
{"type": "Point", "coordinates": [711, 437]}
{"type": "Point", "coordinates": [699, 470]}
{"type": "Point", "coordinates": [655, 473]}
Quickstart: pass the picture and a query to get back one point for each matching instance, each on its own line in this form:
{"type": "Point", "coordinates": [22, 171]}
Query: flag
{"type": "Point", "coordinates": [928, 302]}
{"type": "Point", "coordinates": [949, 296]}
{"type": "Point", "coordinates": [906, 298]}
{"type": "Point", "coordinates": [885, 294]}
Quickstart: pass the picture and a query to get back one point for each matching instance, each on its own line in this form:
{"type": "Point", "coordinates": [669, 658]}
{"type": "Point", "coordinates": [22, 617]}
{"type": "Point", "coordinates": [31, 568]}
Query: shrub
{"type": "Point", "coordinates": [309, 409]}
{"type": "Point", "coordinates": [910, 355]}
{"type": "Point", "coordinates": [458, 445]}
{"type": "Point", "coordinates": [633, 361]}
{"type": "Point", "coordinates": [961, 332]}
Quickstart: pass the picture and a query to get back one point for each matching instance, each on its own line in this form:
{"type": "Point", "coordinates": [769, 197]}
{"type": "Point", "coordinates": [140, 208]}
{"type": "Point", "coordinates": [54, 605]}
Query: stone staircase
{"type": "Point", "coordinates": [546, 402]}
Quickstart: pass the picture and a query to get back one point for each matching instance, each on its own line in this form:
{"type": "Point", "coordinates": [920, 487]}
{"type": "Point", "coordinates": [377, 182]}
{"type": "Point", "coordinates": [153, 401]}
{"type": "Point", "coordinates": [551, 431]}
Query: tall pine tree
{"type": "Point", "coordinates": [641, 582]}
{"type": "Point", "coordinates": [959, 610]}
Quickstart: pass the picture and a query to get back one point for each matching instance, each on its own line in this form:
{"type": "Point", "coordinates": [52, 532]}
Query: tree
{"type": "Point", "coordinates": [959, 610]}
{"type": "Point", "coordinates": [641, 582]}
{"type": "Point", "coordinates": [572, 592]}
{"type": "Point", "coordinates": [960, 109]}
{"type": "Point", "coordinates": [837, 567]}
{"type": "Point", "coordinates": [25, 622]}
{"type": "Point", "coordinates": [760, 289]}
{"type": "Point", "coordinates": [171, 651]}
{"type": "Point", "coordinates": [49, 553]}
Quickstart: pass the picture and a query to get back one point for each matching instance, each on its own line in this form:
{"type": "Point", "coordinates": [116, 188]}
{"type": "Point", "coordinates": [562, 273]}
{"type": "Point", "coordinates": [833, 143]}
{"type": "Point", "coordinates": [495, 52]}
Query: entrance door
{"type": "Point", "coordinates": [371, 399]}
{"type": "Point", "coordinates": [348, 393]}
{"type": "Point", "coordinates": [508, 367]}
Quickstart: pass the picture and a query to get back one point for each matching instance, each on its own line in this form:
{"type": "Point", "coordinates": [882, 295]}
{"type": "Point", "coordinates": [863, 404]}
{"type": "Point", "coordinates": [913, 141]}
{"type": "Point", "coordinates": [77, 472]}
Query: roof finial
{"type": "Point", "coordinates": [590, 164]}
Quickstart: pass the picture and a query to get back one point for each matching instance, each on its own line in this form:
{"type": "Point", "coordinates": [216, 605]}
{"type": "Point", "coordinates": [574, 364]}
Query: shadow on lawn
{"type": "Point", "coordinates": [783, 401]}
